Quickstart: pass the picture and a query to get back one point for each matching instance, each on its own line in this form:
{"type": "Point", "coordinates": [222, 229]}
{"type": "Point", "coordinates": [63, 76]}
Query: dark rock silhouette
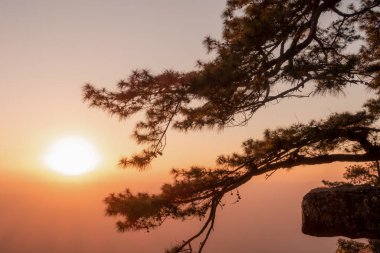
{"type": "Point", "coordinates": [351, 211]}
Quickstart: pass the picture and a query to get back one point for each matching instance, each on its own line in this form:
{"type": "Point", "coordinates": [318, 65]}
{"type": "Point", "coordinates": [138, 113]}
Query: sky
{"type": "Point", "coordinates": [49, 49]}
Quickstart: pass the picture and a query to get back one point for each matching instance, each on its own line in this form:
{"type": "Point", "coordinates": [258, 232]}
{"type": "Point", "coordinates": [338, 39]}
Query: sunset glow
{"type": "Point", "coordinates": [101, 141]}
{"type": "Point", "coordinates": [72, 156]}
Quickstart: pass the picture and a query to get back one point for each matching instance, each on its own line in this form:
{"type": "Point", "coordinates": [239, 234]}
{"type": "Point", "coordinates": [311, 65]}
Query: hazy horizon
{"type": "Point", "coordinates": [49, 50]}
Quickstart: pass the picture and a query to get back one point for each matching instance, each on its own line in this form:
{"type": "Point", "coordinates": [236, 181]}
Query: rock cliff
{"type": "Point", "coordinates": [351, 211]}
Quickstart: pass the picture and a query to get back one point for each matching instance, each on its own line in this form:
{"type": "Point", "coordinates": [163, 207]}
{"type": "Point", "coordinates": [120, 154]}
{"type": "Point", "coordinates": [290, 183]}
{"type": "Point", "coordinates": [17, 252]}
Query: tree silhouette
{"type": "Point", "coordinates": [270, 50]}
{"type": "Point", "coordinates": [351, 246]}
{"type": "Point", "coordinates": [359, 174]}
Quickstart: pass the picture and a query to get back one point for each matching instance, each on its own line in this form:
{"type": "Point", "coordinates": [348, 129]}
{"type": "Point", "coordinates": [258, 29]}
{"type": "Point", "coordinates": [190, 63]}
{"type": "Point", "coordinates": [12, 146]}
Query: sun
{"type": "Point", "coordinates": [72, 156]}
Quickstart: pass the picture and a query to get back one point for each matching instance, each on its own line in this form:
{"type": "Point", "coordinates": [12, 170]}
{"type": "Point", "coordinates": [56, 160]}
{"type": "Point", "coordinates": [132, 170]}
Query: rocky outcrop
{"type": "Point", "coordinates": [351, 211]}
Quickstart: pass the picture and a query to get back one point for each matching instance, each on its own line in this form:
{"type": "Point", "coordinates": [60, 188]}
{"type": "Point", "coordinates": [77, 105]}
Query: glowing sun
{"type": "Point", "coordinates": [72, 156]}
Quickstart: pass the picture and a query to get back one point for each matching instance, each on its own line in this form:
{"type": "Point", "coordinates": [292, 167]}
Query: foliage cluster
{"type": "Point", "coordinates": [270, 50]}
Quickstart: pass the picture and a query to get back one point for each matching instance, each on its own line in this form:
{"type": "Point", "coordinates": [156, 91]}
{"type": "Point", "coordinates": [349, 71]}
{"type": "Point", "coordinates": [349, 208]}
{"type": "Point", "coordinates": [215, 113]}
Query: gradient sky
{"type": "Point", "coordinates": [48, 50]}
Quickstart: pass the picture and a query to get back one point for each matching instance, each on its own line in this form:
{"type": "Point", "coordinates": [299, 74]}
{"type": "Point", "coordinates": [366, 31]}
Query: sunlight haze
{"type": "Point", "coordinates": [49, 49]}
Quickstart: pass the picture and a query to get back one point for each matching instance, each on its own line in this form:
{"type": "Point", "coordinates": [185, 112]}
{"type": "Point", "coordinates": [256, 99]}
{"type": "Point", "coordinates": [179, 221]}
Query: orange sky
{"type": "Point", "coordinates": [49, 49]}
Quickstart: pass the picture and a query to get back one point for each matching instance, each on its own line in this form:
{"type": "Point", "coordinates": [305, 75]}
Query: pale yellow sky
{"type": "Point", "coordinates": [48, 50]}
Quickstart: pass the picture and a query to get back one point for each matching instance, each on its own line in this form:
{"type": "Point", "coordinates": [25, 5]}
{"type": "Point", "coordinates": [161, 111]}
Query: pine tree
{"type": "Point", "coordinates": [270, 50]}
